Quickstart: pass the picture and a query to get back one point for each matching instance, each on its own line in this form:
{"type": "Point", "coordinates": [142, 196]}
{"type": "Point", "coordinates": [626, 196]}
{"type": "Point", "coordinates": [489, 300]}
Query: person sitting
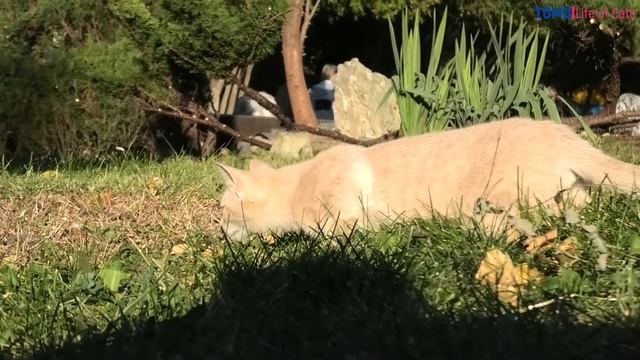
{"type": "Point", "coordinates": [322, 93]}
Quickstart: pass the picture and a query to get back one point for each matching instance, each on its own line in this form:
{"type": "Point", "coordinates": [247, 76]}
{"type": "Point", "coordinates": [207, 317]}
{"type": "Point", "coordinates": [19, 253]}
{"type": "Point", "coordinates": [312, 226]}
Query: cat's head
{"type": "Point", "coordinates": [246, 199]}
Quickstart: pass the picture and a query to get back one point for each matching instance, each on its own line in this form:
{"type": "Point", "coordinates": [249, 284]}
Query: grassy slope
{"type": "Point", "coordinates": [129, 257]}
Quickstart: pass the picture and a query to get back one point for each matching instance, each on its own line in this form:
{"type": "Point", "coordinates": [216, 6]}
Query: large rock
{"type": "Point", "coordinates": [627, 102]}
{"type": "Point", "coordinates": [359, 92]}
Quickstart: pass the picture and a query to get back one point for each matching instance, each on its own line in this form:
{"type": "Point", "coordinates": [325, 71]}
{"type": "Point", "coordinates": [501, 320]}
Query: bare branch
{"type": "Point", "coordinates": [197, 115]}
{"type": "Point", "coordinates": [626, 117]}
{"type": "Point", "coordinates": [262, 101]}
{"type": "Point", "coordinates": [309, 12]}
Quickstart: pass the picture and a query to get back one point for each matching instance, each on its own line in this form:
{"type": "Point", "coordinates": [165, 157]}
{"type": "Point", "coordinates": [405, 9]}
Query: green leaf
{"type": "Point", "coordinates": [550, 107]}
{"type": "Point", "coordinates": [567, 281]}
{"type": "Point", "coordinates": [112, 276]}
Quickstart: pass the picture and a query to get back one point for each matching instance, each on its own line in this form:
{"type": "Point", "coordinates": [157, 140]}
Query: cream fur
{"type": "Point", "coordinates": [447, 172]}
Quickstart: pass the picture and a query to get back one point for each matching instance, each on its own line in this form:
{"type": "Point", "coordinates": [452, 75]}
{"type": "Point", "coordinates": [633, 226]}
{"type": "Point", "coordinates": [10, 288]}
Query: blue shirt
{"type": "Point", "coordinates": [322, 96]}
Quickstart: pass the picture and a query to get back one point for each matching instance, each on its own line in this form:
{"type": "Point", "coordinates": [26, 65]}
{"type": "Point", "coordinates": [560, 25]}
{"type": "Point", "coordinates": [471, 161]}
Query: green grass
{"type": "Point", "coordinates": [126, 262]}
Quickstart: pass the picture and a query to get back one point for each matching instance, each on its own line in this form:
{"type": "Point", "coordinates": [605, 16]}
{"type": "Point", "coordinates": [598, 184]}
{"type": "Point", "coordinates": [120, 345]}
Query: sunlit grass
{"type": "Point", "coordinates": [126, 261]}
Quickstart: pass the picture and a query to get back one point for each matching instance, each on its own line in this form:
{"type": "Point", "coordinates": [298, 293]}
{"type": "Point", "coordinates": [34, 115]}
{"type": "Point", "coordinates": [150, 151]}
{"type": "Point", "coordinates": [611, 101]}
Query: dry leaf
{"type": "Point", "coordinates": [513, 235]}
{"type": "Point", "coordinates": [155, 184]}
{"type": "Point", "coordinates": [567, 253]}
{"type": "Point", "coordinates": [496, 268]}
{"type": "Point", "coordinates": [213, 252]}
{"type": "Point", "coordinates": [105, 199]}
{"type": "Point", "coordinates": [497, 271]}
{"type": "Point", "coordinates": [178, 249]}
{"type": "Point", "coordinates": [508, 294]}
{"type": "Point", "coordinates": [538, 243]}
{"type": "Point", "coordinates": [50, 174]}
{"type": "Point", "coordinates": [525, 275]}
{"type": "Point", "coordinates": [207, 254]}
{"type": "Point", "coordinates": [269, 239]}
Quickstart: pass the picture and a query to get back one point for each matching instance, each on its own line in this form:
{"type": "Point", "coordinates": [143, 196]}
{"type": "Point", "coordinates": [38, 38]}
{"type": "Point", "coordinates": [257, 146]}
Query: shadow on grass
{"type": "Point", "coordinates": [342, 304]}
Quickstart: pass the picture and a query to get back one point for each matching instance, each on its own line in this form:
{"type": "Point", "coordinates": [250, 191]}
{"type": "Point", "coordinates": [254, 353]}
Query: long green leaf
{"type": "Point", "coordinates": [550, 106]}
{"type": "Point", "coordinates": [541, 61]}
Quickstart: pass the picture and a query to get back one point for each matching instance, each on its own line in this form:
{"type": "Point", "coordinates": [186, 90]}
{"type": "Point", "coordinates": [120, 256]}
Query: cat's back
{"type": "Point", "coordinates": [511, 133]}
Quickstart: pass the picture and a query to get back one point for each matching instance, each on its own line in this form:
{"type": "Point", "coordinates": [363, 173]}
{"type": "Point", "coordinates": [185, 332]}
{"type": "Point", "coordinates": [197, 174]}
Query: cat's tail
{"type": "Point", "coordinates": [602, 169]}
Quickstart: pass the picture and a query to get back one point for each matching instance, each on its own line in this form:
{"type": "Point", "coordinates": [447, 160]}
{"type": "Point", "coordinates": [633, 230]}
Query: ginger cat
{"type": "Point", "coordinates": [447, 172]}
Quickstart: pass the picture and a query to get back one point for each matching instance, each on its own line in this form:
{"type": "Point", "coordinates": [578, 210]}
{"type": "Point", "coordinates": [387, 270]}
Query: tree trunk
{"type": "Point", "coordinates": [292, 56]}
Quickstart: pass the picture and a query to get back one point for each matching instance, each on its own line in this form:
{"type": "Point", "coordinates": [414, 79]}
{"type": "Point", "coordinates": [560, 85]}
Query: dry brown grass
{"type": "Point", "coordinates": [101, 221]}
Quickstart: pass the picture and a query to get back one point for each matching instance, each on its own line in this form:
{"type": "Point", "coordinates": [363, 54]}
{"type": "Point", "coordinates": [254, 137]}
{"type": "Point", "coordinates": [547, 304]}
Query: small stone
{"type": "Point", "coordinates": [627, 102]}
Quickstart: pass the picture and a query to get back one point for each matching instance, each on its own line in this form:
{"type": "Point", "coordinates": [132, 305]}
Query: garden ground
{"type": "Point", "coordinates": [126, 261]}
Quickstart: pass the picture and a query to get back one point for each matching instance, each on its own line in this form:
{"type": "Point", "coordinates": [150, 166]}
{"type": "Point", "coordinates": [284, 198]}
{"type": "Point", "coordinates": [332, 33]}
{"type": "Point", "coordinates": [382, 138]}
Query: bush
{"type": "Point", "coordinates": [67, 81]}
{"type": "Point", "coordinates": [206, 36]}
{"type": "Point", "coordinates": [72, 68]}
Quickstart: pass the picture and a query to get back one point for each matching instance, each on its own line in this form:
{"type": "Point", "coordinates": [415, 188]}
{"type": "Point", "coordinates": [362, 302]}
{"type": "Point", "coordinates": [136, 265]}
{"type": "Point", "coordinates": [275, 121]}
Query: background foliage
{"type": "Point", "coordinates": [72, 67]}
{"type": "Point", "coordinates": [65, 77]}
{"type": "Point", "coordinates": [69, 68]}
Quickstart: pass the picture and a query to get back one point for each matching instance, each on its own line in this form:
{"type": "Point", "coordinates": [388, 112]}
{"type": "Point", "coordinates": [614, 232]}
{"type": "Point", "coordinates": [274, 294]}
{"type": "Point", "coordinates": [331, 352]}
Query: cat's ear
{"type": "Point", "coordinates": [231, 176]}
{"type": "Point", "coordinates": [258, 165]}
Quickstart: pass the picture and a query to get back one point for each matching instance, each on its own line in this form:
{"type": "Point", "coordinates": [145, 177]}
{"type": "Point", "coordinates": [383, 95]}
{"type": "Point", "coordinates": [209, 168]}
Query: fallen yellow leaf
{"type": "Point", "coordinates": [211, 253]}
{"type": "Point", "coordinates": [104, 199]}
{"type": "Point", "coordinates": [496, 269]}
{"type": "Point", "coordinates": [539, 243]}
{"type": "Point", "coordinates": [525, 275]}
{"type": "Point", "coordinates": [178, 249]}
{"type": "Point", "coordinates": [155, 184]}
{"type": "Point", "coordinates": [508, 294]}
{"type": "Point", "coordinates": [512, 235]}
{"type": "Point", "coordinates": [568, 253]}
{"type": "Point", "coordinates": [269, 239]}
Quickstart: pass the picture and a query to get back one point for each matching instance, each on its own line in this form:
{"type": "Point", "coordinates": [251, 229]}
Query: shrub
{"type": "Point", "coordinates": [67, 80]}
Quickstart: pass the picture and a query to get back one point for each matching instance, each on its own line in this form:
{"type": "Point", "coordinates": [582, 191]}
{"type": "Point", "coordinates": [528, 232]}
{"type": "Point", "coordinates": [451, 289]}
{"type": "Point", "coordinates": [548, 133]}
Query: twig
{"type": "Point", "coordinates": [570, 296]}
{"type": "Point", "coordinates": [290, 125]}
{"type": "Point", "coordinates": [334, 134]}
{"type": "Point", "coordinates": [262, 101]}
{"type": "Point", "coordinates": [309, 11]}
{"type": "Point", "coordinates": [199, 117]}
